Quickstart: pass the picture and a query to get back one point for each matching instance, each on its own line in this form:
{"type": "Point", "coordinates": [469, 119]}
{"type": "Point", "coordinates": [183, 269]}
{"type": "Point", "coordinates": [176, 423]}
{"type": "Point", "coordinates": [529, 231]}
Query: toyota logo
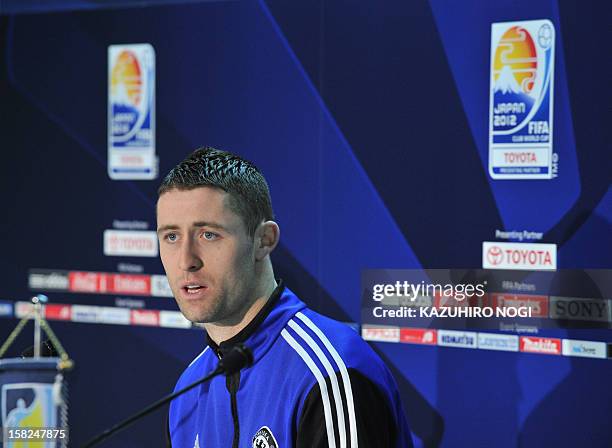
{"type": "Point", "coordinates": [495, 255]}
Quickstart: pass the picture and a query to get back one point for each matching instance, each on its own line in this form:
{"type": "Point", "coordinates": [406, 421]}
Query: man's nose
{"type": "Point", "coordinates": [189, 260]}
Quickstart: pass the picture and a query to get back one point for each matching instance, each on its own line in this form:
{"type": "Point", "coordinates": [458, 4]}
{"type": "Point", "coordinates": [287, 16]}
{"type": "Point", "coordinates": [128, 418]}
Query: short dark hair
{"type": "Point", "coordinates": [210, 167]}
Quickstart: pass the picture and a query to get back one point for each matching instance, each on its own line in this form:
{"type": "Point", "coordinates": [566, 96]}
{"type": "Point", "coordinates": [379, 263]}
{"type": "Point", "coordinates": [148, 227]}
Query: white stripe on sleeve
{"type": "Point", "coordinates": [343, 371]}
{"type": "Point", "coordinates": [329, 422]}
{"type": "Point", "coordinates": [332, 376]}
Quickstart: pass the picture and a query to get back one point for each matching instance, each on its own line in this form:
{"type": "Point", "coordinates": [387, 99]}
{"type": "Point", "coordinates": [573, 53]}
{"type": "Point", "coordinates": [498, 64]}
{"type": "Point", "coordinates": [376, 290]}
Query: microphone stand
{"type": "Point", "coordinates": [240, 356]}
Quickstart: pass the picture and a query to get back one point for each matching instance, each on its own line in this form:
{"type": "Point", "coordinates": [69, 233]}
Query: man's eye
{"type": "Point", "coordinates": [171, 237]}
{"type": "Point", "coordinates": [209, 235]}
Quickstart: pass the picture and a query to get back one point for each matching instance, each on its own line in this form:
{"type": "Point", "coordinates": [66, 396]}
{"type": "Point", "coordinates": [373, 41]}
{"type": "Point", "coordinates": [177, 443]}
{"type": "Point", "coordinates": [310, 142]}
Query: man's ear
{"type": "Point", "coordinates": [267, 236]}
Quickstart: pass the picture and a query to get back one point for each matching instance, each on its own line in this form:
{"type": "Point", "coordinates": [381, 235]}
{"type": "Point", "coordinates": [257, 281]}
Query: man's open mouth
{"type": "Point", "coordinates": [193, 289]}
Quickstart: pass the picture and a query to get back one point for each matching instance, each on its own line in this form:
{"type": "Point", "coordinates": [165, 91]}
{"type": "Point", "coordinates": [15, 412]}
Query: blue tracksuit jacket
{"type": "Point", "coordinates": [314, 383]}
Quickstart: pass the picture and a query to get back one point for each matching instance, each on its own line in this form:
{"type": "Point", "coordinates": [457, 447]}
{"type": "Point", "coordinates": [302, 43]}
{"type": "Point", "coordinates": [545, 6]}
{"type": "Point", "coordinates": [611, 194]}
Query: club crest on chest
{"type": "Point", "coordinates": [264, 438]}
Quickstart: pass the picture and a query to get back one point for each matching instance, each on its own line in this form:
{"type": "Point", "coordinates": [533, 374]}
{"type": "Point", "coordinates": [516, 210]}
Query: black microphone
{"type": "Point", "coordinates": [237, 358]}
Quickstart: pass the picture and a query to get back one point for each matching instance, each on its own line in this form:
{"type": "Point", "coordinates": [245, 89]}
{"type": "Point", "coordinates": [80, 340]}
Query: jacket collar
{"type": "Point", "coordinates": [262, 331]}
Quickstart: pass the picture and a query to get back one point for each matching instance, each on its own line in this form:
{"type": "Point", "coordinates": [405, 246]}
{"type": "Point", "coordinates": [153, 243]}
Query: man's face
{"type": "Point", "coordinates": [207, 254]}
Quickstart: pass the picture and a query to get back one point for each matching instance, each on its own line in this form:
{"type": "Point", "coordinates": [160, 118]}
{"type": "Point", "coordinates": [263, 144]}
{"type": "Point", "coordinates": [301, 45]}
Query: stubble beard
{"type": "Point", "coordinates": [228, 305]}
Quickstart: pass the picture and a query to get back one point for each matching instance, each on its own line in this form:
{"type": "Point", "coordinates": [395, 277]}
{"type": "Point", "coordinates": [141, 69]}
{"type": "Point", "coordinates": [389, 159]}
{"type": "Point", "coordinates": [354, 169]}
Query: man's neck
{"type": "Point", "coordinates": [220, 333]}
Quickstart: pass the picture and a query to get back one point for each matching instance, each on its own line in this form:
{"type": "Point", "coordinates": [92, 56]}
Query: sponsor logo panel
{"type": "Point", "coordinates": [586, 349]}
{"type": "Point", "coordinates": [100, 283]}
{"type": "Point", "coordinates": [452, 338]}
{"type": "Point", "coordinates": [47, 280]}
{"type": "Point", "coordinates": [548, 346]}
{"type": "Point", "coordinates": [493, 341]}
{"type": "Point", "coordinates": [380, 333]}
{"type": "Point", "coordinates": [133, 284]}
{"type": "Point", "coordinates": [145, 317]}
{"type": "Point", "coordinates": [6, 308]}
{"type": "Point", "coordinates": [23, 309]}
{"type": "Point", "coordinates": [419, 336]}
{"type": "Point", "coordinates": [105, 283]}
{"type": "Point", "coordinates": [472, 301]}
{"type": "Point", "coordinates": [84, 313]}
{"type": "Point", "coordinates": [98, 314]}
{"type": "Point", "coordinates": [576, 308]}
{"type": "Point", "coordinates": [173, 319]}
{"type": "Point", "coordinates": [521, 100]}
{"type": "Point", "coordinates": [537, 304]}
{"type": "Point", "coordinates": [113, 315]}
{"type": "Point", "coordinates": [160, 286]}
{"type": "Point", "coordinates": [56, 311]}
{"type": "Point", "coordinates": [83, 281]}
{"type": "Point", "coordinates": [416, 302]}
{"type": "Point", "coordinates": [131, 112]}
{"type": "Point", "coordinates": [131, 243]}
{"type": "Point", "coordinates": [519, 256]}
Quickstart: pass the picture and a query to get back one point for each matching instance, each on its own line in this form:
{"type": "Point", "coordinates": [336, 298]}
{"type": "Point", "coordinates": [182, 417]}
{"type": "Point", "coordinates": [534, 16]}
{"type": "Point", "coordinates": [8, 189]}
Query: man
{"type": "Point", "coordinates": [314, 382]}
